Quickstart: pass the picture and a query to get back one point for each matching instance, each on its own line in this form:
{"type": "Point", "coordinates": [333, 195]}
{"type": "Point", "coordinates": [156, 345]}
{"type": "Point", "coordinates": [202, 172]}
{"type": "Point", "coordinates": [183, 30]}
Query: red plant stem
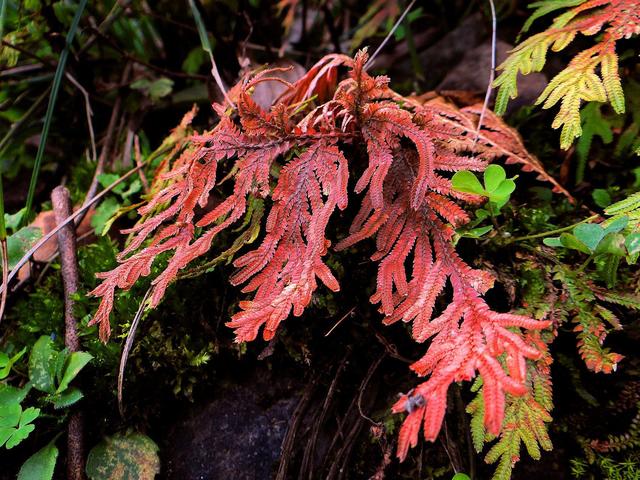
{"type": "Point", "coordinates": [69, 262]}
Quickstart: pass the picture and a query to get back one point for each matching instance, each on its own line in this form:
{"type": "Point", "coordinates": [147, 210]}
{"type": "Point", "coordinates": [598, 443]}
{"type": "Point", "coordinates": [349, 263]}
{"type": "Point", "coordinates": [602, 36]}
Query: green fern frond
{"type": "Point", "coordinates": [593, 125]}
{"type": "Point", "coordinates": [524, 423]}
{"type": "Point", "coordinates": [624, 207]}
{"type": "Point", "coordinates": [590, 317]}
{"type": "Point", "coordinates": [611, 80]}
{"type": "Point", "coordinates": [476, 410]}
{"type": "Point", "coordinates": [628, 208]}
{"type": "Point", "coordinates": [629, 301]}
{"type": "Point", "coordinates": [545, 7]}
{"type": "Point", "coordinates": [592, 76]}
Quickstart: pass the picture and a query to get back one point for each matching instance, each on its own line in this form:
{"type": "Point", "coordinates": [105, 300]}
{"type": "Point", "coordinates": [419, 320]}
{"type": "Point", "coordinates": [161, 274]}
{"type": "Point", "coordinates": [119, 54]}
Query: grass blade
{"type": "Point", "coordinates": [55, 88]}
{"type": "Point", "coordinates": [206, 46]}
{"type": "Point", "coordinates": [3, 12]}
{"type": "Point", "coordinates": [3, 230]}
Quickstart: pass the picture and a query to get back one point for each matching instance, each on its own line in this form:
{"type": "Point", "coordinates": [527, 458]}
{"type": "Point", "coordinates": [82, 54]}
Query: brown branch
{"type": "Point", "coordinates": [62, 208]}
{"type": "Point", "coordinates": [363, 387]}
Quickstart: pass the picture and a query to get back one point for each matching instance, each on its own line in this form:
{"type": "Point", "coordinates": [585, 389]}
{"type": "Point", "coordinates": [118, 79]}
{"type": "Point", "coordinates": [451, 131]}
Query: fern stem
{"type": "Point", "coordinates": [553, 232]}
{"type": "Point", "coordinates": [585, 264]}
{"type": "Point", "coordinates": [55, 88]}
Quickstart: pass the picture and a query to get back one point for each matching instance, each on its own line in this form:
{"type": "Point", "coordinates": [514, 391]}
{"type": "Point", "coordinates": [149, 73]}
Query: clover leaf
{"type": "Point", "coordinates": [497, 187]}
{"type": "Point", "coordinates": [16, 424]}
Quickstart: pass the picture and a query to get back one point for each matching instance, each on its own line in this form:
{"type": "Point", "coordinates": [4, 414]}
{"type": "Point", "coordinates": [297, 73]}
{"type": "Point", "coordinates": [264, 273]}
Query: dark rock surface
{"type": "Point", "coordinates": [438, 58]}
{"type": "Point", "coordinates": [237, 436]}
{"type": "Point", "coordinates": [471, 73]}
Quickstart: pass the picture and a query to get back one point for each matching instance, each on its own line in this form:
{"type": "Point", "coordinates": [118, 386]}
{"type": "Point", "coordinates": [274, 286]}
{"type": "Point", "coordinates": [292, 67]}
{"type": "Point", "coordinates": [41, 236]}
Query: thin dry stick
{"type": "Point", "coordinates": [106, 145]}
{"type": "Point", "coordinates": [340, 321]}
{"type": "Point", "coordinates": [296, 417]}
{"type": "Point", "coordinates": [27, 256]}
{"type": "Point", "coordinates": [389, 35]}
{"type": "Point", "coordinates": [363, 387]}
{"type": "Point", "coordinates": [445, 446]}
{"type": "Point", "coordinates": [93, 187]}
{"type": "Point", "coordinates": [337, 469]}
{"type": "Point", "coordinates": [20, 69]}
{"type": "Point", "coordinates": [219, 82]}
{"type": "Point", "coordinates": [492, 73]}
{"type": "Point", "coordinates": [89, 113]}
{"type": "Point", "coordinates": [138, 158]}
{"type": "Point", "coordinates": [131, 335]}
{"type": "Point", "coordinates": [343, 423]}
{"type": "Point", "coordinates": [62, 208]}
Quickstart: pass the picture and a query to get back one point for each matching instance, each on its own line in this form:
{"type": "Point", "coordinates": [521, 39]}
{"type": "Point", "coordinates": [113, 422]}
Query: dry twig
{"type": "Point", "coordinates": [62, 208]}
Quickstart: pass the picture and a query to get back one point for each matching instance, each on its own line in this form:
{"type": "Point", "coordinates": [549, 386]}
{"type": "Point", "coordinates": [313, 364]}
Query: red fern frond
{"type": "Point", "coordinates": [283, 269]}
{"type": "Point", "coordinates": [407, 205]}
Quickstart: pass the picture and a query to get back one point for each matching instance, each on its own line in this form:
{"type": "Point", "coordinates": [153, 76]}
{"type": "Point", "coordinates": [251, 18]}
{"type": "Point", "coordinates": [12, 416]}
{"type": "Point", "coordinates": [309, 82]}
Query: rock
{"type": "Point", "coordinates": [237, 436]}
{"type": "Point", "coordinates": [266, 93]}
{"type": "Point", "coordinates": [472, 74]}
{"type": "Point", "coordinates": [437, 59]}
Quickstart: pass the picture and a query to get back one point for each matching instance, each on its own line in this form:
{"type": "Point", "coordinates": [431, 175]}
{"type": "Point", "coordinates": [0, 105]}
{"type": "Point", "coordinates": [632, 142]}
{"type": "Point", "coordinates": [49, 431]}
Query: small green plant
{"type": "Point", "coordinates": [7, 362]}
{"type": "Point", "coordinates": [461, 476]}
{"type": "Point", "coordinates": [16, 424]}
{"type": "Point", "coordinates": [40, 465]}
{"type": "Point", "coordinates": [117, 204]}
{"type": "Point", "coordinates": [51, 372]}
{"type": "Point", "coordinates": [608, 242]}
{"type": "Point", "coordinates": [497, 189]}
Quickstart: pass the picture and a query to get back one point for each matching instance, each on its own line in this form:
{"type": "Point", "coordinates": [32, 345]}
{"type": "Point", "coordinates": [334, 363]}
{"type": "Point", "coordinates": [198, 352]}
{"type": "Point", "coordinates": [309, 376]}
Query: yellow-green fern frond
{"type": "Point", "coordinates": [592, 76]}
{"type": "Point", "coordinates": [524, 422]}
